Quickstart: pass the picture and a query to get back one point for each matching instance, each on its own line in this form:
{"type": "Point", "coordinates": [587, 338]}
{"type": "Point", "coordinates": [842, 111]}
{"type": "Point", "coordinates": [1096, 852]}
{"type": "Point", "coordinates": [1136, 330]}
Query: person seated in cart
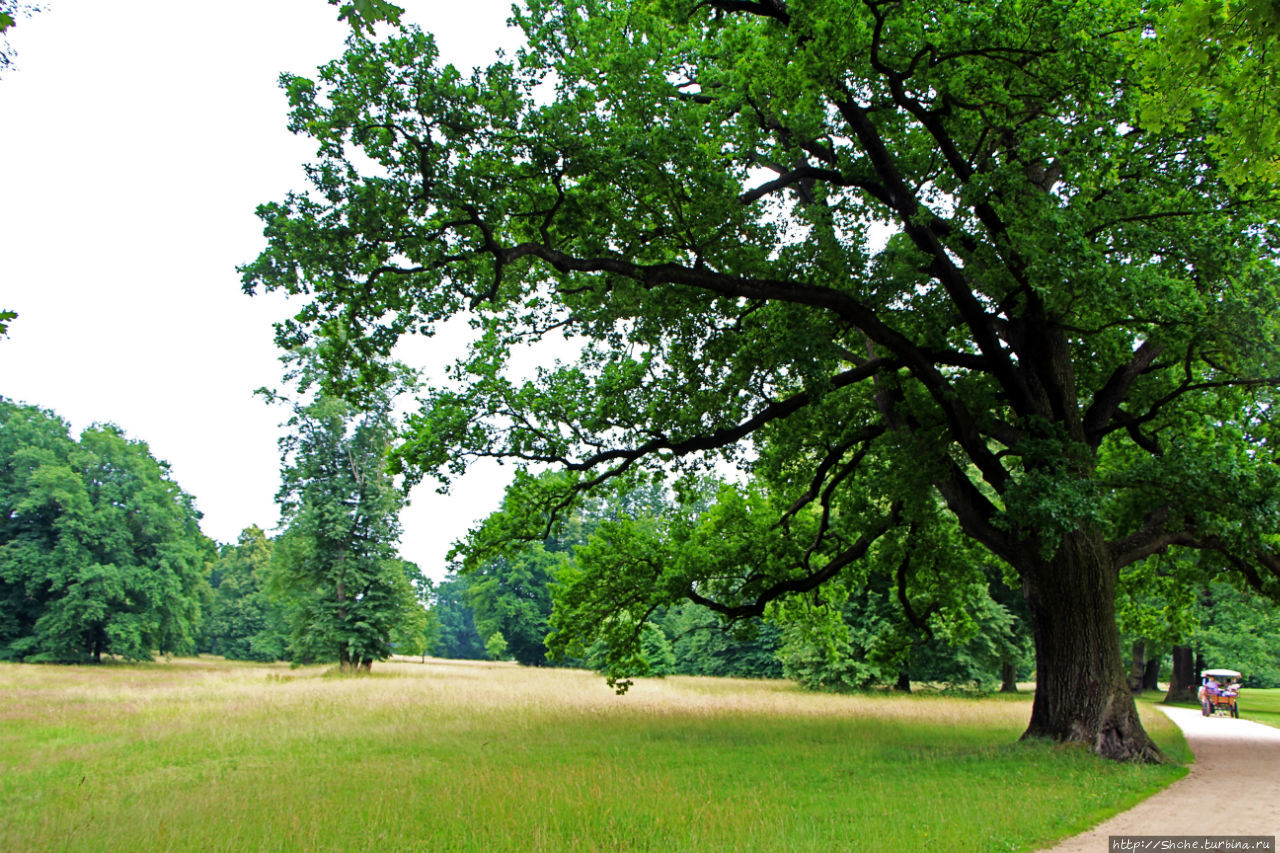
{"type": "Point", "coordinates": [1214, 696]}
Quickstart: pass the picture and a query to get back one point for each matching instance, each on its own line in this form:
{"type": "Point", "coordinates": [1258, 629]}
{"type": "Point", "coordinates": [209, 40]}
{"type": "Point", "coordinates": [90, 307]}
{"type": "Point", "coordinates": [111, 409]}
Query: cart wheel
{"type": "Point", "coordinates": [1235, 712]}
{"type": "Point", "coordinates": [1205, 708]}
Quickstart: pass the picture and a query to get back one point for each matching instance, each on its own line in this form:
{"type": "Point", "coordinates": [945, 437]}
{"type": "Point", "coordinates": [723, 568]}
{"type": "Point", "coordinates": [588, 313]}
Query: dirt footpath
{"type": "Point", "coordinates": [1233, 787]}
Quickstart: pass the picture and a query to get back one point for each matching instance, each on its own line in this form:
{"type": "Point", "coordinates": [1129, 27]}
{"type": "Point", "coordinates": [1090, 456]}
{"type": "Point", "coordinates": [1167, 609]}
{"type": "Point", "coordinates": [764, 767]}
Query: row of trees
{"type": "Point", "coordinates": [898, 625]}
{"type": "Point", "coordinates": [893, 628]}
{"type": "Point", "coordinates": [1175, 607]}
{"type": "Point", "coordinates": [101, 552]}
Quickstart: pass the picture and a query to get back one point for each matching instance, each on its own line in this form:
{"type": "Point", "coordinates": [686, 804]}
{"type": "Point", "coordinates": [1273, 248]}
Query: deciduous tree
{"type": "Point", "coordinates": [1236, 631]}
{"type": "Point", "coordinates": [1220, 57]}
{"type": "Point", "coordinates": [336, 563]}
{"type": "Point", "coordinates": [1067, 344]}
{"type": "Point", "coordinates": [243, 622]}
{"type": "Point", "coordinates": [100, 551]}
{"type": "Point", "coordinates": [458, 636]}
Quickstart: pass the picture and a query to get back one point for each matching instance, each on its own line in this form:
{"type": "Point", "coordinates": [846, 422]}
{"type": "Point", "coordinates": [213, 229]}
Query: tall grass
{"type": "Point", "coordinates": [206, 755]}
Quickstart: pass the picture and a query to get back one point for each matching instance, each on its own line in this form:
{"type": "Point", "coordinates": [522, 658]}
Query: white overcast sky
{"type": "Point", "coordinates": [136, 139]}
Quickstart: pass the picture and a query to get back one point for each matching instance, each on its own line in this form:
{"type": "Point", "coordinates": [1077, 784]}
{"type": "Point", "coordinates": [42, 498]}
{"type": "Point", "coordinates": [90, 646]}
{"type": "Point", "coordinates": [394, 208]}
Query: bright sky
{"type": "Point", "coordinates": [136, 139]}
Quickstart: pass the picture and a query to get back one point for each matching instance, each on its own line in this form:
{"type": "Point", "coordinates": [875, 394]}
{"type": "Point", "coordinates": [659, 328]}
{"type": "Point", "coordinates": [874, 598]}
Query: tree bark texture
{"type": "Point", "coordinates": [1008, 677]}
{"type": "Point", "coordinates": [1137, 665]}
{"type": "Point", "coordinates": [1182, 684]}
{"type": "Point", "coordinates": [1151, 674]}
{"type": "Point", "coordinates": [1081, 691]}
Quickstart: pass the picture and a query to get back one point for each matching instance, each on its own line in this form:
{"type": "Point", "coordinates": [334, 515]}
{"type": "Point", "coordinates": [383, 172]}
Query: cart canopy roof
{"type": "Point", "coordinates": [1220, 673]}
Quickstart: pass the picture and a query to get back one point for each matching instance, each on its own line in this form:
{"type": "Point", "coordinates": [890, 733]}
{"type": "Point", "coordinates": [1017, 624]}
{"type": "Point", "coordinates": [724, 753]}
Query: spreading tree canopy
{"type": "Point", "coordinates": [917, 266]}
{"type": "Point", "coordinates": [1219, 56]}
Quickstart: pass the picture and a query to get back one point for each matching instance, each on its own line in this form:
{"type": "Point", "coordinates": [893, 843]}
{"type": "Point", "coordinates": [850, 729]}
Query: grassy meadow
{"type": "Point", "coordinates": [1261, 706]}
{"type": "Point", "coordinates": [450, 755]}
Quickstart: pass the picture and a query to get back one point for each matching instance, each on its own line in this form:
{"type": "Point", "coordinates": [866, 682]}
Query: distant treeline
{"type": "Point", "coordinates": [101, 554]}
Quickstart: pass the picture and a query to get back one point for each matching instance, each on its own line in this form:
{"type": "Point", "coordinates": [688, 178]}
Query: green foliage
{"type": "Point", "coordinates": [1215, 62]}
{"type": "Point", "coordinates": [703, 645]}
{"type": "Point", "coordinates": [496, 646]}
{"type": "Point", "coordinates": [450, 607]}
{"type": "Point", "coordinates": [335, 565]}
{"type": "Point", "coordinates": [242, 621]}
{"type": "Point", "coordinates": [511, 595]}
{"type": "Point", "coordinates": [1237, 631]}
{"type": "Point", "coordinates": [659, 656]}
{"type": "Point", "coordinates": [364, 14]}
{"type": "Point", "coordinates": [420, 630]}
{"type": "Point", "coordinates": [509, 587]}
{"type": "Point", "coordinates": [1063, 356]}
{"type": "Point", "coordinates": [868, 639]}
{"type": "Point", "coordinates": [512, 586]}
{"type": "Point", "coordinates": [628, 568]}
{"type": "Point", "coordinates": [1156, 601]}
{"type": "Point", "coordinates": [517, 588]}
{"type": "Point", "coordinates": [818, 650]}
{"type": "Point", "coordinates": [100, 552]}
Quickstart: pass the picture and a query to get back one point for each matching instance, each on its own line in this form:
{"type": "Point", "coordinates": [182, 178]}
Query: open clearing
{"type": "Point", "coordinates": [451, 755]}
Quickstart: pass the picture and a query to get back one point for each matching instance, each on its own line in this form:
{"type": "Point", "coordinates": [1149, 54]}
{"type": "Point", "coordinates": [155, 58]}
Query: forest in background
{"type": "Point", "coordinates": [101, 554]}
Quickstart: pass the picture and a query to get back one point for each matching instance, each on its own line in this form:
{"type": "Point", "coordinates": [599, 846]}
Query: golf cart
{"type": "Point", "coordinates": [1219, 689]}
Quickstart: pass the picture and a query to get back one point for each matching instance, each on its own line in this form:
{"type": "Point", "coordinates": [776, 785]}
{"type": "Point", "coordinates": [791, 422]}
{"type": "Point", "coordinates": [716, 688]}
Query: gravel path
{"type": "Point", "coordinates": [1233, 787]}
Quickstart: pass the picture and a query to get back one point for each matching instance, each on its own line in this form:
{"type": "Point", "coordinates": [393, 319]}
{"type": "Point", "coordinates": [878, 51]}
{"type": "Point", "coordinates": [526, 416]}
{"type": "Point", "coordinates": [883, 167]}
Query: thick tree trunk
{"type": "Point", "coordinates": [1137, 665]}
{"type": "Point", "coordinates": [1151, 674]}
{"type": "Point", "coordinates": [1182, 684]}
{"type": "Point", "coordinates": [1008, 677]}
{"type": "Point", "coordinates": [904, 682]}
{"type": "Point", "coordinates": [1081, 694]}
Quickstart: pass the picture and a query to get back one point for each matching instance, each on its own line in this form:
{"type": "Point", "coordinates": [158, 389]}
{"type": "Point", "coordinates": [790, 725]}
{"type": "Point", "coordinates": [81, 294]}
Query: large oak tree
{"type": "Point", "coordinates": [1062, 345]}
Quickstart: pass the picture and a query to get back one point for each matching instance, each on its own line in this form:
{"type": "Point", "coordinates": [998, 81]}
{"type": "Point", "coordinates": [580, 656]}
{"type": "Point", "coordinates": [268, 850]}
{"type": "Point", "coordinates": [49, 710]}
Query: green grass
{"type": "Point", "coordinates": [206, 755]}
{"type": "Point", "coordinates": [1261, 706]}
